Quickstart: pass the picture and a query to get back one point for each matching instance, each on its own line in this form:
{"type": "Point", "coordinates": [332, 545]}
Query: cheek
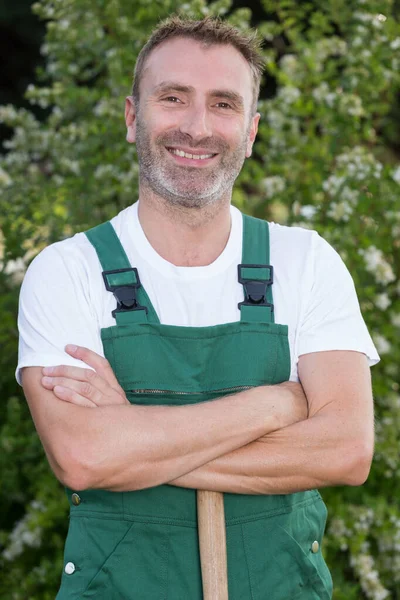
{"type": "Point", "coordinates": [162, 120]}
{"type": "Point", "coordinates": [230, 131]}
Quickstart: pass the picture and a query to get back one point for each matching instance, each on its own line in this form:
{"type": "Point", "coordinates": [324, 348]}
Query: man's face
{"type": "Point", "coordinates": [194, 127]}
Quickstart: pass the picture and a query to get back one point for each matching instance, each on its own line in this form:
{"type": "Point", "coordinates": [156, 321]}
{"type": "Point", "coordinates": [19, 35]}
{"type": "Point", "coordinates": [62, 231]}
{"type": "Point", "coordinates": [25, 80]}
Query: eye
{"type": "Point", "coordinates": [172, 99]}
{"type": "Point", "coordinates": [224, 105]}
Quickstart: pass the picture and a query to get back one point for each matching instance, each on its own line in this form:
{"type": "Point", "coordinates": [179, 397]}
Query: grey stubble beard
{"type": "Point", "coordinates": [188, 188]}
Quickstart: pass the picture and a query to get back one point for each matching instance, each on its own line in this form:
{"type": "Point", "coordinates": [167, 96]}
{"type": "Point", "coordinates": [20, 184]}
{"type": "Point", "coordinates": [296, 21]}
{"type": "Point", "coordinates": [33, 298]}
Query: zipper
{"type": "Point", "coordinates": [238, 388]}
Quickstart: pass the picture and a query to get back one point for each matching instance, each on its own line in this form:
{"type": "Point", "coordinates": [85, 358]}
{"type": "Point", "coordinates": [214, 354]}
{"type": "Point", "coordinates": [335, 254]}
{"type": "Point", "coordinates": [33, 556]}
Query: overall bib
{"type": "Point", "coordinates": [143, 545]}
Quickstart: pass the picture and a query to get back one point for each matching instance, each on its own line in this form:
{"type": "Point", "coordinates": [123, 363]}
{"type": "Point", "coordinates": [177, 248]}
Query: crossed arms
{"type": "Point", "coordinates": [268, 440]}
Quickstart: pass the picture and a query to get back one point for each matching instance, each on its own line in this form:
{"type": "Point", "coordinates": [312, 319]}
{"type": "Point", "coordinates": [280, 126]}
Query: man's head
{"type": "Point", "coordinates": [193, 109]}
{"type": "Point", "coordinates": [208, 31]}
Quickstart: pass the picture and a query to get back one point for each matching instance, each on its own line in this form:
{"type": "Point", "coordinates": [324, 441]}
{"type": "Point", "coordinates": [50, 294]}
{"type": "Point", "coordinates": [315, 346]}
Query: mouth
{"type": "Point", "coordinates": [189, 158]}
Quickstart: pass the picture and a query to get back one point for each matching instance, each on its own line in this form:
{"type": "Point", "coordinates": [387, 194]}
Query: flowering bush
{"type": "Point", "coordinates": [322, 161]}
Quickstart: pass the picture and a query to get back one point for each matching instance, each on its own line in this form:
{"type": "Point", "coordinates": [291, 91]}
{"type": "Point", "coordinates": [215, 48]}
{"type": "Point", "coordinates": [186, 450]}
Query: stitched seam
{"type": "Point", "coordinates": [136, 518]}
{"type": "Point", "coordinates": [112, 357]}
{"type": "Point", "coordinates": [275, 364]}
{"type": "Point", "coordinates": [165, 563]}
{"type": "Point", "coordinates": [109, 557]}
{"type": "Point", "coordinates": [122, 334]}
{"type": "Point", "coordinates": [247, 564]}
{"type": "Point", "coordinates": [192, 524]}
{"type": "Point", "coordinates": [274, 512]}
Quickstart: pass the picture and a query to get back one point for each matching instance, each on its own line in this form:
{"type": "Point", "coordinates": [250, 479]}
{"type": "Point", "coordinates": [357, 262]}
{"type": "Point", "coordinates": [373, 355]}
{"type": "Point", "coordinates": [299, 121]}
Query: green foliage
{"type": "Point", "coordinates": [322, 161]}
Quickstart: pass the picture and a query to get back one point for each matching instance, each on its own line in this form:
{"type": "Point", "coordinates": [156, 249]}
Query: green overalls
{"type": "Point", "coordinates": [143, 545]}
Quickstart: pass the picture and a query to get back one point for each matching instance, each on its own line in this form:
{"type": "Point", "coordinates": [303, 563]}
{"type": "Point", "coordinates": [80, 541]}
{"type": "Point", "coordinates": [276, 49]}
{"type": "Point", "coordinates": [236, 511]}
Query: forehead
{"type": "Point", "coordinates": [192, 63]}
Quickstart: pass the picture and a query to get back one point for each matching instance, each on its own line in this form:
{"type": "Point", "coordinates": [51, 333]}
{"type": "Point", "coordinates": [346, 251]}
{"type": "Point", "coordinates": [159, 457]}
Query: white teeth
{"type": "Point", "coordinates": [187, 155]}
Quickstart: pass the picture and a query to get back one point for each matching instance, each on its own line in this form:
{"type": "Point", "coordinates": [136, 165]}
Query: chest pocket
{"type": "Point", "coordinates": [186, 365]}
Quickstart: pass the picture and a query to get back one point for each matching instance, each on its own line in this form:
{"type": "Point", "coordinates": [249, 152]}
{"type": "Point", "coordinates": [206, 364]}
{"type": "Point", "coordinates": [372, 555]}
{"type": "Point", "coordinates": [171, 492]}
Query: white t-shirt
{"type": "Point", "coordinates": [64, 301]}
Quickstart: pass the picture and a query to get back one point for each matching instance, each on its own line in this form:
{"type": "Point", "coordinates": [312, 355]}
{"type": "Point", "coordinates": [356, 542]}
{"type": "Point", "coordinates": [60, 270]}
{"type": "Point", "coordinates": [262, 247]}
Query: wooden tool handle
{"type": "Point", "coordinates": [212, 540]}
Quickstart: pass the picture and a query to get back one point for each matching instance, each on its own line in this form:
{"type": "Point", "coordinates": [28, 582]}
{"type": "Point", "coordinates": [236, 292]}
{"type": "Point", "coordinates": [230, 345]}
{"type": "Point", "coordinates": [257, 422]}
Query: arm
{"type": "Point", "coordinates": [124, 447]}
{"type": "Point", "coordinates": [334, 446]}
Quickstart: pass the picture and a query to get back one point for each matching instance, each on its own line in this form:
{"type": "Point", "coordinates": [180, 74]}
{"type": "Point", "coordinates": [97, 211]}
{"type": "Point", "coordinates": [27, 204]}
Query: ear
{"type": "Point", "coordinates": [252, 134]}
{"type": "Point", "coordinates": [130, 119]}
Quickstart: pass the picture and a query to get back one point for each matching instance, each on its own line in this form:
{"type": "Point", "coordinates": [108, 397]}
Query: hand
{"type": "Point", "coordinates": [296, 404]}
{"type": "Point", "coordinates": [289, 402]}
{"type": "Point", "coordinates": [84, 387]}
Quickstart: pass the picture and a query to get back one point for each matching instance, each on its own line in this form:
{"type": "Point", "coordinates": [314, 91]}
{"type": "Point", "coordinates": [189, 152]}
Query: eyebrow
{"type": "Point", "coordinates": [188, 89]}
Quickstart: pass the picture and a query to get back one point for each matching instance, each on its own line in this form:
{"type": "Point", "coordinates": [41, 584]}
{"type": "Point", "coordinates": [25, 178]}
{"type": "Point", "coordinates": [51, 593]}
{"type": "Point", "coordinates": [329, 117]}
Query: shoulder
{"type": "Point", "coordinates": [69, 257]}
{"type": "Point", "coordinates": [293, 238]}
{"type": "Point", "coordinates": [299, 250]}
{"type": "Point", "coordinates": [74, 255]}
{"type": "Point", "coordinates": [301, 244]}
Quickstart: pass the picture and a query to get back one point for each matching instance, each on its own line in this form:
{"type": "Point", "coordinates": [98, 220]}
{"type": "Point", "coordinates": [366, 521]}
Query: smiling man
{"type": "Point", "coordinates": [211, 351]}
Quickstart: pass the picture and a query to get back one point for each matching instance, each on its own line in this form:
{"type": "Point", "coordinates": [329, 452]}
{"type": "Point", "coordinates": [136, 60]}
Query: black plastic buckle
{"type": "Point", "coordinates": [125, 295]}
{"type": "Point", "coordinates": [255, 290]}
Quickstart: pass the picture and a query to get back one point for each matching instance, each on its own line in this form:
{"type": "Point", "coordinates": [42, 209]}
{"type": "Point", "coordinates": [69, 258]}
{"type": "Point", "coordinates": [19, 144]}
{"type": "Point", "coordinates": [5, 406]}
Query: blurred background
{"type": "Point", "coordinates": [327, 158]}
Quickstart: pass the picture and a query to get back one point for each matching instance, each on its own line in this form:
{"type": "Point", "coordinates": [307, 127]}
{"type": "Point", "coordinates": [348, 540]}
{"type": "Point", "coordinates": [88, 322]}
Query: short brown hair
{"type": "Point", "coordinates": [209, 31]}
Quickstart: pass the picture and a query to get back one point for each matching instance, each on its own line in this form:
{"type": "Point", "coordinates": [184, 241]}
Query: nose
{"type": "Point", "coordinates": [196, 122]}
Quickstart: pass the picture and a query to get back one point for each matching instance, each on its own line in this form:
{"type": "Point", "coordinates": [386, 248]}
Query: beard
{"type": "Point", "coordinates": [186, 186]}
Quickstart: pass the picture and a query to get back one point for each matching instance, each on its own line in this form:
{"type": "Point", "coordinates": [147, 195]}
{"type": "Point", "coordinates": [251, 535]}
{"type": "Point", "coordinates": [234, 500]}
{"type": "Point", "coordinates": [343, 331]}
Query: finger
{"type": "Point", "coordinates": [99, 363]}
{"type": "Point", "coordinates": [83, 389]}
{"type": "Point", "coordinates": [78, 373]}
{"type": "Point", "coordinates": [81, 374]}
{"type": "Point", "coordinates": [69, 395]}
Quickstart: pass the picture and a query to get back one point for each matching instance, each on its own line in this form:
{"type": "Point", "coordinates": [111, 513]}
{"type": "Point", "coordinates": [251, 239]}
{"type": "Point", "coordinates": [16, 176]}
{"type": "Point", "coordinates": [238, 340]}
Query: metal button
{"type": "Point", "coordinates": [69, 568]}
{"type": "Point", "coordinates": [315, 547]}
{"type": "Point", "coordinates": [76, 499]}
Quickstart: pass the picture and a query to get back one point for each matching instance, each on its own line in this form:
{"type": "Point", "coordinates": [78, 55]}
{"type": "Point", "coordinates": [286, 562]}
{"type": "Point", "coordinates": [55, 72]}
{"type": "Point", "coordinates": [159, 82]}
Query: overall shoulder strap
{"type": "Point", "coordinates": [133, 303]}
{"type": "Point", "coordinates": [255, 273]}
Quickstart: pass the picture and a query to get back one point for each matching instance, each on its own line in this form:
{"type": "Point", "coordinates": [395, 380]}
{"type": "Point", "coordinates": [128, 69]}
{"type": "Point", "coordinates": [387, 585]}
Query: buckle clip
{"type": "Point", "coordinates": [255, 290]}
{"type": "Point", "coordinates": [125, 294]}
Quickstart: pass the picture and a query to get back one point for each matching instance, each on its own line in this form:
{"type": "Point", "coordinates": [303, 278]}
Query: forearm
{"type": "Point", "coordinates": [321, 451]}
{"type": "Point", "coordinates": [124, 448]}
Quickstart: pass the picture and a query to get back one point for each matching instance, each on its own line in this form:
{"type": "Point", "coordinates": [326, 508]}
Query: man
{"type": "Point", "coordinates": [160, 294]}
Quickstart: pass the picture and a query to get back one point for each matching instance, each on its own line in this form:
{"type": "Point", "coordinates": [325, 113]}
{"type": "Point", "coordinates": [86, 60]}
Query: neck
{"type": "Point", "coordinates": [185, 237]}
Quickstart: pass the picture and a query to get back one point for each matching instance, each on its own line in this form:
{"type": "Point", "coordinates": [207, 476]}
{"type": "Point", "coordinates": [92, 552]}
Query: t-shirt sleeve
{"type": "Point", "coordinates": [55, 310]}
{"type": "Point", "coordinates": [331, 318]}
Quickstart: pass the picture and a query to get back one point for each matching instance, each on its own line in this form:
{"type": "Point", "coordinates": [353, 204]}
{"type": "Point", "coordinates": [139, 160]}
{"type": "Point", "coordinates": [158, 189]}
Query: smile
{"type": "Point", "coordinates": [183, 154]}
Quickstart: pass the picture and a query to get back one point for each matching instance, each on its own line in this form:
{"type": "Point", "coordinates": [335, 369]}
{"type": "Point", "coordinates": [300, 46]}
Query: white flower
{"type": "Point", "coordinates": [8, 114]}
{"type": "Point", "coordinates": [369, 577]}
{"type": "Point", "coordinates": [104, 171]}
{"type": "Point", "coordinates": [396, 173]}
{"type": "Point", "coordinates": [382, 301]}
{"type": "Point", "coordinates": [320, 92]}
{"type": "Point", "coordinates": [340, 211]}
{"type": "Point", "coordinates": [395, 45]}
{"type": "Point", "coordinates": [15, 266]}
{"type": "Point", "coordinates": [73, 68]}
{"type": "Point", "coordinates": [330, 99]}
{"type": "Point", "coordinates": [5, 179]}
{"type": "Point", "coordinates": [289, 94]}
{"type": "Point", "coordinates": [26, 532]}
{"type": "Point", "coordinates": [330, 46]}
{"type": "Point", "coordinates": [358, 162]}
{"type": "Point", "coordinates": [273, 185]}
{"type": "Point", "coordinates": [349, 195]}
{"type": "Point", "coordinates": [333, 184]}
{"type": "Point", "coordinates": [357, 42]}
{"type": "Point", "coordinates": [381, 343]}
{"type": "Point", "coordinates": [289, 64]}
{"type": "Point", "coordinates": [395, 320]}
{"type": "Point", "coordinates": [377, 265]}
{"type": "Point", "coordinates": [308, 211]}
{"type": "Point", "coordinates": [275, 118]}
{"type": "Point", "coordinates": [352, 105]}
{"type": "Point", "coordinates": [63, 24]}
{"type": "Point", "coordinates": [72, 166]}
{"type": "Point", "coordinates": [58, 180]}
